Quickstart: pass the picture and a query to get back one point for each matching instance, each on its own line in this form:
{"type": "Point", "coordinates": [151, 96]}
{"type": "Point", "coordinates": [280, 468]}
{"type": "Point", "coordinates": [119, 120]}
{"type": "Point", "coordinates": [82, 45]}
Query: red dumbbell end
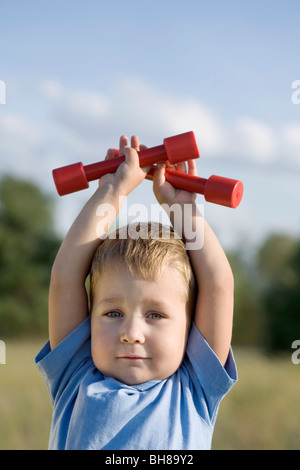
{"type": "Point", "coordinates": [70, 179]}
{"type": "Point", "coordinates": [224, 191]}
{"type": "Point", "coordinates": [182, 147]}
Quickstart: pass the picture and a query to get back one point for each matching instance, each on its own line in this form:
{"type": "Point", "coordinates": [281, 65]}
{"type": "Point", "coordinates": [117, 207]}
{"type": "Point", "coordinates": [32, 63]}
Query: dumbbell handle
{"type": "Point", "coordinates": [217, 189]}
{"type": "Point", "coordinates": [75, 177]}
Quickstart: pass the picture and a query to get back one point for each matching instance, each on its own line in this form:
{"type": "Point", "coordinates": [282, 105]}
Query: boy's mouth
{"type": "Point", "coordinates": [132, 357]}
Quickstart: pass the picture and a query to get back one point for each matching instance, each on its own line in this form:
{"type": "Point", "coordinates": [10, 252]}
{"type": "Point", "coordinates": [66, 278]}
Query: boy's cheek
{"type": "Point", "coordinates": [99, 346]}
{"type": "Point", "coordinates": [173, 347]}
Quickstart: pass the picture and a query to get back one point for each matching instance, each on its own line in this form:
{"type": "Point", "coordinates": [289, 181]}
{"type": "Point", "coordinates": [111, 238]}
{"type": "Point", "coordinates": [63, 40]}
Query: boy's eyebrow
{"type": "Point", "coordinates": [120, 299]}
{"type": "Point", "coordinates": [111, 300]}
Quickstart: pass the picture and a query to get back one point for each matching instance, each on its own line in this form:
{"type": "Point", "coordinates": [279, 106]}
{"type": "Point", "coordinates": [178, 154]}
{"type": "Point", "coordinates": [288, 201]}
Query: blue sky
{"type": "Point", "coordinates": [79, 74]}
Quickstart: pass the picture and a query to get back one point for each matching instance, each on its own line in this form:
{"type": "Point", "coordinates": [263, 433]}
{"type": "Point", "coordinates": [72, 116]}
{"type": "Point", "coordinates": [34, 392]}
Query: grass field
{"type": "Point", "coordinates": [261, 412]}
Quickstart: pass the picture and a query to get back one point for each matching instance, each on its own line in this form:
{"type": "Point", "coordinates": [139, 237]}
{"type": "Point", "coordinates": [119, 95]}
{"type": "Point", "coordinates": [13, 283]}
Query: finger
{"type": "Point", "coordinates": [135, 143]}
{"type": "Point", "coordinates": [181, 166]}
{"type": "Point", "coordinates": [145, 168]}
{"type": "Point", "coordinates": [192, 167]}
{"type": "Point", "coordinates": [123, 142]}
{"type": "Point", "coordinates": [110, 154]}
{"type": "Point", "coordinates": [168, 165]}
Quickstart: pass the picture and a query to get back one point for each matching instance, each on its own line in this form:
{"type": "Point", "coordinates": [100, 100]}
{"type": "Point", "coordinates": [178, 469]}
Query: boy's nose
{"type": "Point", "coordinates": [132, 333]}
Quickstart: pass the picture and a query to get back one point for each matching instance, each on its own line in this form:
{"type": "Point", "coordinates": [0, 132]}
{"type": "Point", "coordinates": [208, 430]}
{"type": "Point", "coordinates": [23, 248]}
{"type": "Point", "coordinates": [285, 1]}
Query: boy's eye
{"type": "Point", "coordinates": [113, 314]}
{"type": "Point", "coordinates": [155, 316]}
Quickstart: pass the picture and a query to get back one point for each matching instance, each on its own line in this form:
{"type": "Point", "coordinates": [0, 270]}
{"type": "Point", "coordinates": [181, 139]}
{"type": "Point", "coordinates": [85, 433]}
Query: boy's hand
{"type": "Point", "coordinates": [129, 174]}
{"type": "Point", "coordinates": [166, 193]}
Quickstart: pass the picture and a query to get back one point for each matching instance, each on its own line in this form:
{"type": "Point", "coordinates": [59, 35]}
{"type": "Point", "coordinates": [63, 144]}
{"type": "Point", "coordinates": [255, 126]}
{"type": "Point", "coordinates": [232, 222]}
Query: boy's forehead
{"type": "Point", "coordinates": [154, 274]}
{"type": "Point", "coordinates": [162, 280]}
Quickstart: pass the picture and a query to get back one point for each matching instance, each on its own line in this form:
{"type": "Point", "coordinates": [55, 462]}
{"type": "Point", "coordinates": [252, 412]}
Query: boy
{"type": "Point", "coordinates": [148, 365]}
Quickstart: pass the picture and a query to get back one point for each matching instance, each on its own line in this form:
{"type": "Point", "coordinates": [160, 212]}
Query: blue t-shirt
{"type": "Point", "coordinates": [92, 411]}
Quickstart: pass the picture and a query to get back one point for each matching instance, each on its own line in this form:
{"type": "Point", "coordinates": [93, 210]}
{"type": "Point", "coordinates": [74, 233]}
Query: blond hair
{"type": "Point", "coordinates": [145, 249]}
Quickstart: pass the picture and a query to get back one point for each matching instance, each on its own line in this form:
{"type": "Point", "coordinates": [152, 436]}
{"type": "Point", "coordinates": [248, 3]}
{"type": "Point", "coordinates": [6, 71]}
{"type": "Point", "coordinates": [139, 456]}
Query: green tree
{"type": "Point", "coordinates": [279, 274]}
{"type": "Point", "coordinates": [28, 246]}
{"type": "Point", "coordinates": [248, 309]}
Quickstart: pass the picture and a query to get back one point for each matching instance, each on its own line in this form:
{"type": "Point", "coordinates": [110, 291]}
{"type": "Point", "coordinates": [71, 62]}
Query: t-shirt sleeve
{"type": "Point", "coordinates": [208, 375]}
{"type": "Point", "coordinates": [61, 365]}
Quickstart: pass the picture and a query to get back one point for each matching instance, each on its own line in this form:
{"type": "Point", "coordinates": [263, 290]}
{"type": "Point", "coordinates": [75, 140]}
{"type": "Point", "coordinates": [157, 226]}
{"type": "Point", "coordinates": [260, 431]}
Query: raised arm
{"type": "Point", "coordinates": [68, 302]}
{"type": "Point", "coordinates": [214, 306]}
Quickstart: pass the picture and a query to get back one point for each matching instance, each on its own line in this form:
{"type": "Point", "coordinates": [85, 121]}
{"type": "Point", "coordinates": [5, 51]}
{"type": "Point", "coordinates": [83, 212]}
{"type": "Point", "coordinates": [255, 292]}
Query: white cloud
{"type": "Point", "coordinates": [87, 105]}
{"type": "Point", "coordinates": [52, 89]}
{"type": "Point", "coordinates": [253, 140]}
{"type": "Point", "coordinates": [20, 142]}
{"type": "Point", "coordinates": [14, 126]}
{"type": "Point", "coordinates": [163, 114]}
{"type": "Point", "coordinates": [191, 115]}
{"type": "Point", "coordinates": [80, 111]}
{"type": "Point", "coordinates": [81, 102]}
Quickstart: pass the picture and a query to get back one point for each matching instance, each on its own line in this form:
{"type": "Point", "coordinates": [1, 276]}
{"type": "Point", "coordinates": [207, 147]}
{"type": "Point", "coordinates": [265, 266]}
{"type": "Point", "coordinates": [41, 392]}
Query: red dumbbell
{"type": "Point", "coordinates": [217, 189]}
{"type": "Point", "coordinates": [178, 148]}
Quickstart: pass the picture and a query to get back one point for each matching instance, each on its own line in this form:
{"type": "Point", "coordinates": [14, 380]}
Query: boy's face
{"type": "Point", "coordinates": [139, 327]}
